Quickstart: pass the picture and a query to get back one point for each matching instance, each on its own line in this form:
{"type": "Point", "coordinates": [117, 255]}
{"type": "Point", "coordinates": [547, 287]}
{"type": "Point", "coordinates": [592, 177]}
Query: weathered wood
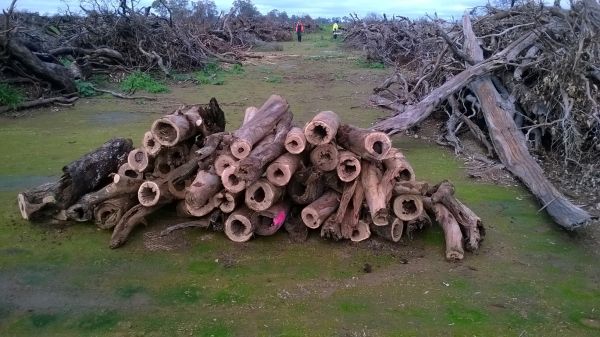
{"type": "Point", "coordinates": [230, 201]}
{"type": "Point", "coordinates": [150, 145]}
{"type": "Point", "coordinates": [367, 144]}
{"type": "Point", "coordinates": [129, 221]}
{"type": "Point", "coordinates": [108, 213]}
{"type": "Point", "coordinates": [361, 232]}
{"type": "Point", "coordinates": [322, 128]}
{"type": "Point", "coordinates": [280, 171]}
{"type": "Point", "coordinates": [410, 187]}
{"type": "Point", "coordinates": [306, 186]}
{"type": "Point", "coordinates": [375, 193]}
{"type": "Point", "coordinates": [172, 129]}
{"type": "Point", "coordinates": [392, 232]}
{"type": "Point", "coordinates": [331, 229]}
{"type": "Point", "coordinates": [262, 194]}
{"type": "Point", "coordinates": [407, 207]}
{"type": "Point", "coordinates": [510, 145]}
{"type": "Point", "coordinates": [224, 161]}
{"type": "Point", "coordinates": [271, 219]}
{"type": "Point", "coordinates": [231, 180]}
{"type": "Point", "coordinates": [202, 189]}
{"type": "Point", "coordinates": [295, 141]}
{"type": "Point", "coordinates": [267, 117]}
{"type": "Point", "coordinates": [128, 171]}
{"type": "Point", "coordinates": [397, 168]}
{"type": "Point", "coordinates": [80, 177]}
{"type": "Point", "coordinates": [325, 157]}
{"type": "Point", "coordinates": [348, 167]}
{"type": "Point", "coordinates": [452, 234]}
{"type": "Point", "coordinates": [139, 160]}
{"type": "Point", "coordinates": [240, 225]}
{"type": "Point", "coordinates": [318, 211]}
{"type": "Point", "coordinates": [249, 113]}
{"type": "Point", "coordinates": [153, 193]}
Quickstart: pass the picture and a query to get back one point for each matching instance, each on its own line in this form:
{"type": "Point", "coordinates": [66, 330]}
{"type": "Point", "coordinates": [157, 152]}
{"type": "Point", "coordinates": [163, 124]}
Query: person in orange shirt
{"type": "Point", "coordinates": [299, 30]}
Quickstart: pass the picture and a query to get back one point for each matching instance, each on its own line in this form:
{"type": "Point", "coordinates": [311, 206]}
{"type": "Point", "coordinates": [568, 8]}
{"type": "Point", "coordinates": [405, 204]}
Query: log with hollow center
{"type": "Point", "coordinates": [281, 170]}
{"type": "Point", "coordinates": [408, 206]}
{"type": "Point", "coordinates": [224, 161]}
{"type": "Point", "coordinates": [365, 143]}
{"type": "Point", "coordinates": [150, 145]}
{"type": "Point", "coordinates": [109, 212]}
{"type": "Point", "coordinates": [177, 188]}
{"type": "Point", "coordinates": [397, 167]}
{"type": "Point", "coordinates": [152, 193]}
{"type": "Point", "coordinates": [201, 191]}
{"type": "Point", "coordinates": [322, 128]}
{"type": "Point", "coordinates": [230, 201]}
{"type": "Point", "coordinates": [392, 232]}
{"type": "Point", "coordinates": [128, 171]}
{"type": "Point", "coordinates": [139, 160]}
{"type": "Point", "coordinates": [262, 195]}
{"type": "Point", "coordinates": [240, 225]}
{"type": "Point", "coordinates": [295, 141]}
{"type": "Point", "coordinates": [256, 129]}
{"type": "Point", "coordinates": [361, 232]}
{"type": "Point", "coordinates": [231, 180]}
{"type": "Point", "coordinates": [172, 129]}
{"type": "Point", "coordinates": [318, 211]}
{"type": "Point", "coordinates": [325, 157]}
{"type": "Point", "coordinates": [271, 219]}
{"type": "Point", "coordinates": [348, 167]}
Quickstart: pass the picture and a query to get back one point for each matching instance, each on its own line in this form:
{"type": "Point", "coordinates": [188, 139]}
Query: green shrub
{"type": "Point", "coordinates": [142, 81]}
{"type": "Point", "coordinates": [214, 74]}
{"type": "Point", "coordinates": [370, 64]}
{"type": "Point", "coordinates": [85, 89]}
{"type": "Point", "coordinates": [10, 96]}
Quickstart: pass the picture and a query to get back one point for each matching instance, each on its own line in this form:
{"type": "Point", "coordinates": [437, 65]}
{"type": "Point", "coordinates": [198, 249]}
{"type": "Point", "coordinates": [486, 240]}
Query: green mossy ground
{"type": "Point", "coordinates": [529, 278]}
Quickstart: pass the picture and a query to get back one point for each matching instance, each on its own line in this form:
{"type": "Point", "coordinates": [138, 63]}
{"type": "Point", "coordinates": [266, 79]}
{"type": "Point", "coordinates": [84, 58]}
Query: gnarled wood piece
{"type": "Point", "coordinates": [108, 213]}
{"type": "Point", "coordinates": [367, 144]}
{"type": "Point", "coordinates": [322, 128]}
{"type": "Point", "coordinates": [258, 127]}
{"type": "Point", "coordinates": [318, 211]}
{"type": "Point", "coordinates": [452, 234]}
{"type": "Point", "coordinates": [129, 221]}
{"type": "Point", "coordinates": [80, 177]}
{"type": "Point", "coordinates": [375, 192]}
{"type": "Point", "coordinates": [306, 186]}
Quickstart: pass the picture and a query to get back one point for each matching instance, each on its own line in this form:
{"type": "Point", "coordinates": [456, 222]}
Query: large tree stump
{"type": "Point", "coordinates": [82, 176]}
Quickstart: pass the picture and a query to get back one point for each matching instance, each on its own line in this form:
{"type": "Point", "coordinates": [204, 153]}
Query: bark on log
{"type": "Point", "coordinates": [295, 141]}
{"type": "Point", "coordinates": [374, 193]}
{"type": "Point", "coordinates": [129, 221]}
{"type": "Point", "coordinates": [318, 211]}
{"type": "Point", "coordinates": [257, 128]}
{"type": "Point", "coordinates": [306, 186]}
{"type": "Point", "coordinates": [108, 213]}
{"type": "Point", "coordinates": [365, 143]}
{"type": "Point", "coordinates": [322, 128]}
{"type": "Point", "coordinates": [331, 229]}
{"type": "Point", "coordinates": [280, 171]}
{"type": "Point", "coordinates": [262, 194]}
{"type": "Point", "coordinates": [139, 160]}
{"type": "Point", "coordinates": [325, 157]}
{"type": "Point", "coordinates": [510, 145]}
{"type": "Point", "coordinates": [271, 219]}
{"type": "Point", "coordinates": [202, 189]}
{"type": "Point", "coordinates": [392, 232]}
{"type": "Point", "coordinates": [82, 176]}
{"type": "Point", "coordinates": [240, 225]}
{"type": "Point", "coordinates": [408, 207]}
{"type": "Point", "coordinates": [348, 167]}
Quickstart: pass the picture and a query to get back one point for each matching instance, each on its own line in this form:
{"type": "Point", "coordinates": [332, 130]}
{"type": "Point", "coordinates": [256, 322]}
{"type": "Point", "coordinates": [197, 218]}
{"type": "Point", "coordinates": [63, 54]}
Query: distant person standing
{"type": "Point", "coordinates": [335, 30]}
{"type": "Point", "coordinates": [299, 30]}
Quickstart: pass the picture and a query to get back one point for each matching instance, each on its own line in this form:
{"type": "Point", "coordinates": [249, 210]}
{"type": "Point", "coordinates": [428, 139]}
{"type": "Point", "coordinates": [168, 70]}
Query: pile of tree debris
{"type": "Point", "coordinates": [340, 180]}
{"type": "Point", "coordinates": [518, 80]}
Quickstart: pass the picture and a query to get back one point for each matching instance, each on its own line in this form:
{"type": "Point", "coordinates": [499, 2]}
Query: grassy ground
{"type": "Point", "coordinates": [529, 279]}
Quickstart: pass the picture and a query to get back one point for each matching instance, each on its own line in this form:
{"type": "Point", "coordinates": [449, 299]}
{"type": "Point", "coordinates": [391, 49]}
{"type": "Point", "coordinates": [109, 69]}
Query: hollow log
{"type": "Point", "coordinates": [240, 225]}
{"type": "Point", "coordinates": [361, 232]}
{"type": "Point", "coordinates": [452, 234]}
{"type": "Point", "coordinates": [322, 128]}
{"type": "Point", "coordinates": [280, 171]}
{"type": "Point", "coordinates": [306, 186]}
{"type": "Point", "coordinates": [161, 167]}
{"type": "Point", "coordinates": [80, 177]}
{"type": "Point", "coordinates": [231, 180]}
{"type": "Point", "coordinates": [407, 207]}
{"type": "Point", "coordinates": [510, 144]}
{"type": "Point", "coordinates": [127, 171]}
{"type": "Point", "coordinates": [129, 221]}
{"type": "Point", "coordinates": [392, 232]}
{"type": "Point", "coordinates": [212, 204]}
{"type": "Point", "coordinates": [202, 190]}
{"type": "Point", "coordinates": [325, 157]}
{"type": "Point", "coordinates": [256, 129]}
{"type": "Point", "coordinates": [262, 194]}
{"type": "Point", "coordinates": [348, 167]}
{"type": "Point", "coordinates": [397, 168]}
{"type": "Point", "coordinates": [365, 143]}
{"type": "Point", "coordinates": [251, 168]}
{"type": "Point", "coordinates": [153, 193]}
{"type": "Point", "coordinates": [150, 145]}
{"type": "Point", "coordinates": [295, 141]}
{"type": "Point", "coordinates": [177, 188]}
{"type": "Point", "coordinates": [375, 193]}
{"type": "Point", "coordinates": [108, 213]}
{"type": "Point", "coordinates": [82, 210]}
{"type": "Point", "coordinates": [139, 160]}
{"type": "Point", "coordinates": [230, 201]}
{"type": "Point", "coordinates": [172, 129]}
{"type": "Point", "coordinates": [224, 161]}
{"type": "Point", "coordinates": [271, 219]}
{"type": "Point", "coordinates": [318, 211]}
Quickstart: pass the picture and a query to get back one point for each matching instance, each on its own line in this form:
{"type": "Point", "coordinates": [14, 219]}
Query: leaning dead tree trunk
{"type": "Point", "coordinates": [510, 146]}
{"type": "Point", "coordinates": [80, 177]}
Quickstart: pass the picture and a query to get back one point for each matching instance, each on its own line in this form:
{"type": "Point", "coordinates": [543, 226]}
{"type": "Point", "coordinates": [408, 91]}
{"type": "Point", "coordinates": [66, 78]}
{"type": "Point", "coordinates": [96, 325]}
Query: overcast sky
{"type": "Point", "coordinates": [324, 8]}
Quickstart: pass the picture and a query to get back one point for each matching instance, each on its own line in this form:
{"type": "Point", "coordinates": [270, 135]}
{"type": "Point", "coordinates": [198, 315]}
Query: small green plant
{"type": "Point", "coordinates": [142, 81]}
{"type": "Point", "coordinates": [214, 74]}
{"type": "Point", "coordinates": [65, 62]}
{"type": "Point", "coordinates": [321, 43]}
{"type": "Point", "coordinates": [85, 89]}
{"type": "Point", "coordinates": [10, 96]}
{"type": "Point", "coordinates": [237, 69]}
{"type": "Point", "coordinates": [370, 64]}
{"type": "Point", "coordinates": [274, 79]}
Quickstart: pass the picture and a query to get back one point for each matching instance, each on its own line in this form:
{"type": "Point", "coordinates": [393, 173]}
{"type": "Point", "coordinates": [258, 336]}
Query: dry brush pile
{"type": "Point", "coordinates": [342, 181]}
{"type": "Point", "coordinates": [519, 81]}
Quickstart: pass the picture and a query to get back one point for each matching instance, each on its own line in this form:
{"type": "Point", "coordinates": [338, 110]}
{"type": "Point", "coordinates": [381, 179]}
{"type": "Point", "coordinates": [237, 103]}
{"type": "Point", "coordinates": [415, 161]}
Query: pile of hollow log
{"type": "Point", "coordinates": [342, 181]}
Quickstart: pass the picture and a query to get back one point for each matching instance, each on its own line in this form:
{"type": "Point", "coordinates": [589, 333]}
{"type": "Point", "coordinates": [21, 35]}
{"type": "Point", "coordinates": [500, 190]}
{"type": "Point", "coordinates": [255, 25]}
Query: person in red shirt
{"type": "Point", "coordinates": [299, 30]}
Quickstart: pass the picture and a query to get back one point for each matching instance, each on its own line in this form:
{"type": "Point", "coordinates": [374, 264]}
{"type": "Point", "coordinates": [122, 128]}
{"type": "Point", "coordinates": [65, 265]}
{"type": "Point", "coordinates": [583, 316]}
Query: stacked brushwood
{"type": "Point", "coordinates": [343, 181]}
{"type": "Point", "coordinates": [522, 82]}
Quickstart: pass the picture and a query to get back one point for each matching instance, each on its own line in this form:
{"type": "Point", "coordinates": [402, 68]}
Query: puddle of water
{"type": "Point", "coordinates": [13, 183]}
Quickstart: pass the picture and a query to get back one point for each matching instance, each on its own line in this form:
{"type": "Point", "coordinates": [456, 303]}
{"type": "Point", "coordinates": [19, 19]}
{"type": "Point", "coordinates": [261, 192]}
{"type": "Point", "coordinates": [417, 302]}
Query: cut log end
{"type": "Point", "coordinates": [223, 162]}
{"type": "Point", "coordinates": [170, 130]}
{"type": "Point", "coordinates": [295, 141]}
{"type": "Point", "coordinates": [325, 157]}
{"type": "Point", "coordinates": [322, 128]}
{"type": "Point", "coordinates": [240, 225]}
{"type": "Point", "coordinates": [408, 207]}
{"type": "Point", "coordinates": [361, 232]}
{"type": "Point", "coordinates": [177, 188]}
{"type": "Point", "coordinates": [262, 195]}
{"type": "Point", "coordinates": [149, 194]}
{"type": "Point", "coordinates": [378, 144]}
{"type": "Point", "coordinates": [348, 167]}
{"type": "Point", "coordinates": [150, 144]}
{"type": "Point", "coordinates": [240, 149]}
{"type": "Point", "coordinates": [231, 181]}
{"type": "Point", "coordinates": [138, 160]}
{"type": "Point", "coordinates": [380, 217]}
{"type": "Point", "coordinates": [127, 171]}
